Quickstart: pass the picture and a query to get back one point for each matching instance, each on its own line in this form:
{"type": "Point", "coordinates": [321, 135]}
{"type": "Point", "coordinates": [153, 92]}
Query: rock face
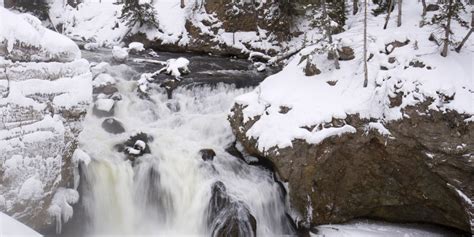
{"type": "Point", "coordinates": [422, 172]}
{"type": "Point", "coordinates": [42, 105]}
{"type": "Point", "coordinates": [228, 217]}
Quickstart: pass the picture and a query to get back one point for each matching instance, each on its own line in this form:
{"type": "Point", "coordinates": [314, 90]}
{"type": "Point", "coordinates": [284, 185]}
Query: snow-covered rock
{"type": "Point", "coordinates": [23, 38]}
{"type": "Point", "coordinates": [103, 79]}
{"type": "Point", "coordinates": [104, 104]}
{"type": "Point", "coordinates": [176, 67]}
{"type": "Point", "coordinates": [136, 47]}
{"type": "Point", "coordinates": [91, 46]}
{"type": "Point", "coordinates": [42, 105]}
{"type": "Point", "coordinates": [119, 54]}
{"type": "Point", "coordinates": [41, 121]}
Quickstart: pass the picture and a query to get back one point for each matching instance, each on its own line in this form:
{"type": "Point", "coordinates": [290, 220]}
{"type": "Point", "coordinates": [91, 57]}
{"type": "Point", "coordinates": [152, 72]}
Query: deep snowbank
{"type": "Point", "coordinates": [23, 38]}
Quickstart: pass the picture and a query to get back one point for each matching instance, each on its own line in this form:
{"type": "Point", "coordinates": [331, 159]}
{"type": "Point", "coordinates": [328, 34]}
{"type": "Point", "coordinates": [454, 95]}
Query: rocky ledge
{"type": "Point", "coordinates": [419, 170]}
{"type": "Point", "coordinates": [45, 92]}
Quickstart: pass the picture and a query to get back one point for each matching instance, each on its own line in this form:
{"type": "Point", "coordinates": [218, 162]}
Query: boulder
{"type": "Point", "coordinates": [432, 7]}
{"type": "Point", "coordinates": [311, 69]}
{"type": "Point", "coordinates": [169, 85]}
{"type": "Point", "coordinates": [229, 217]}
{"type": "Point", "coordinates": [111, 125]}
{"type": "Point", "coordinates": [119, 54]}
{"type": "Point", "coordinates": [23, 38]}
{"type": "Point", "coordinates": [104, 108]}
{"type": "Point", "coordinates": [346, 53]}
{"type": "Point", "coordinates": [136, 145]}
{"type": "Point", "coordinates": [414, 175]}
{"type": "Point", "coordinates": [207, 154]}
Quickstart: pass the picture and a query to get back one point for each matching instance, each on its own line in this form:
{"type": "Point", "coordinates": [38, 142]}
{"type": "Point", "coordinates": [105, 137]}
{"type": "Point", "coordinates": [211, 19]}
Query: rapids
{"type": "Point", "coordinates": [168, 192]}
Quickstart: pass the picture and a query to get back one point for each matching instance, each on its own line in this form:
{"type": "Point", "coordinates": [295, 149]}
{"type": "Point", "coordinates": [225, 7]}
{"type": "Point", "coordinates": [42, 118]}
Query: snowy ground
{"type": "Point", "coordinates": [335, 93]}
{"type": "Point", "coordinates": [379, 229]}
{"type": "Point", "coordinates": [98, 22]}
{"type": "Point", "coordinates": [10, 227]}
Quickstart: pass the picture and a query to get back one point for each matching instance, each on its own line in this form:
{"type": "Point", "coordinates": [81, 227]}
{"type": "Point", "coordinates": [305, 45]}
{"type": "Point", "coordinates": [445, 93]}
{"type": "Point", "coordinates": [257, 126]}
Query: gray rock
{"type": "Point", "coordinates": [228, 217]}
{"type": "Point", "coordinates": [207, 154]}
{"type": "Point", "coordinates": [111, 125]}
{"type": "Point", "coordinates": [432, 7]}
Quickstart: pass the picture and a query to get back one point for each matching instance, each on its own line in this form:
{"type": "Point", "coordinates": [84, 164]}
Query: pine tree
{"type": "Point", "coordinates": [39, 8]}
{"type": "Point", "coordinates": [136, 12]}
{"type": "Point", "coordinates": [449, 12]}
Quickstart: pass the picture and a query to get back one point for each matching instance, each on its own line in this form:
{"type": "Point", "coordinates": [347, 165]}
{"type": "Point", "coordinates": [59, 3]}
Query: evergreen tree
{"type": "Point", "coordinates": [39, 8]}
{"type": "Point", "coordinates": [141, 13]}
{"type": "Point", "coordinates": [449, 11]}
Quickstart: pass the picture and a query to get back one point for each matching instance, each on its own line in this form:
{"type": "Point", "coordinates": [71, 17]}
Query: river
{"type": "Point", "coordinates": [173, 191]}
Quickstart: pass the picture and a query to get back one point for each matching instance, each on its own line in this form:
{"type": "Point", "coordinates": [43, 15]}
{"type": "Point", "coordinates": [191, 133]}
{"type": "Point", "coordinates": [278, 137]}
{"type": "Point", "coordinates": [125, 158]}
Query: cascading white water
{"type": "Point", "coordinates": [167, 192]}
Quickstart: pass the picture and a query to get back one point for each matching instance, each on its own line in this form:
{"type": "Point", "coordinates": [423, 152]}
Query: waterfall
{"type": "Point", "coordinates": [172, 191]}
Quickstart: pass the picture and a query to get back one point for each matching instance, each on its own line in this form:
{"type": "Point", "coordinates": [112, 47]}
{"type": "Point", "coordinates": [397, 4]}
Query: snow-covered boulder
{"type": "Point", "coordinates": [135, 47]}
{"type": "Point", "coordinates": [177, 67]}
{"type": "Point", "coordinates": [23, 38]}
{"type": "Point", "coordinates": [91, 46]}
{"type": "Point", "coordinates": [119, 54]}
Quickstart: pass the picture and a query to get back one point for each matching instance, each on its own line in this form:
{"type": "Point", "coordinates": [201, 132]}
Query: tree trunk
{"type": "Point", "coordinates": [458, 49]}
{"type": "Point", "coordinates": [447, 29]}
{"type": "Point", "coordinates": [399, 19]}
{"type": "Point", "coordinates": [366, 74]}
{"type": "Point", "coordinates": [423, 2]}
{"type": "Point", "coordinates": [355, 7]}
{"type": "Point", "coordinates": [390, 6]}
{"type": "Point", "coordinates": [182, 4]}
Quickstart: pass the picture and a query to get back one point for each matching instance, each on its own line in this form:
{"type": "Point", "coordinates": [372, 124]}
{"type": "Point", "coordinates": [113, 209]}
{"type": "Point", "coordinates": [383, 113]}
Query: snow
{"type": "Point", "coordinates": [104, 104]}
{"type": "Point", "coordinates": [103, 79]}
{"type": "Point", "coordinates": [314, 101]}
{"type": "Point", "coordinates": [99, 68]}
{"type": "Point", "coordinates": [174, 67]}
{"type": "Point", "coordinates": [80, 156]}
{"type": "Point", "coordinates": [119, 54]}
{"type": "Point", "coordinates": [140, 144]}
{"type": "Point", "coordinates": [10, 227]}
{"type": "Point", "coordinates": [378, 229]}
{"type": "Point", "coordinates": [61, 208]}
{"type": "Point", "coordinates": [27, 31]}
{"type": "Point", "coordinates": [31, 189]}
{"type": "Point", "coordinates": [136, 47]}
{"type": "Point", "coordinates": [91, 46]}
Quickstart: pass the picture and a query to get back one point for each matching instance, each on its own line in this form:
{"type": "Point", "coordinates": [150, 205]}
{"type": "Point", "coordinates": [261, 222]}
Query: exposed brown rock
{"type": "Point", "coordinates": [410, 177]}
